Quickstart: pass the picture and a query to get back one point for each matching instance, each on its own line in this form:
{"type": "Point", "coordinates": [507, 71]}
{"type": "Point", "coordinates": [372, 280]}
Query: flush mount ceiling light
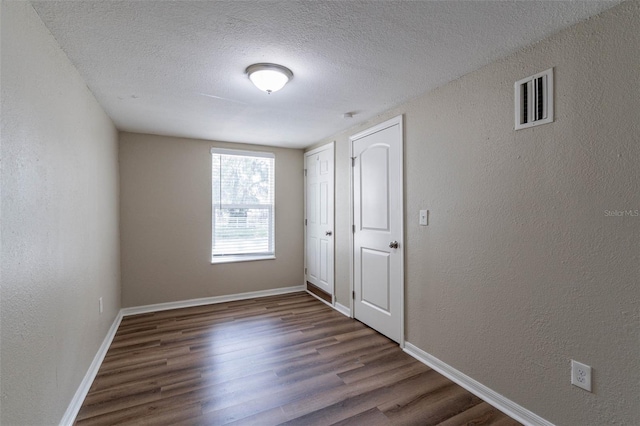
{"type": "Point", "coordinates": [269, 77]}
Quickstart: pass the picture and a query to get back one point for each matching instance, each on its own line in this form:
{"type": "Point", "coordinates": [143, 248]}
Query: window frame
{"type": "Point", "coordinates": [244, 257]}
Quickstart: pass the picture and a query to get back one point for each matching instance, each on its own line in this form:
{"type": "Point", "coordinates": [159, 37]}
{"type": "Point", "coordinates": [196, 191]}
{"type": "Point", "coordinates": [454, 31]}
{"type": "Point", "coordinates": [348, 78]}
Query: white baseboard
{"type": "Point", "coordinates": [343, 309]}
{"type": "Point", "coordinates": [209, 300]}
{"type": "Point", "coordinates": [87, 381]}
{"type": "Point", "coordinates": [502, 403]}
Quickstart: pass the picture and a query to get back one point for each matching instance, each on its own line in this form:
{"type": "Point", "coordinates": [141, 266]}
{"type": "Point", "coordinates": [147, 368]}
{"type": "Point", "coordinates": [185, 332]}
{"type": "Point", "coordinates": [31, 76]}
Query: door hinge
{"type": "Point", "coordinates": [305, 172]}
{"type": "Point", "coordinates": [353, 229]}
{"type": "Point", "coordinates": [353, 295]}
{"type": "Point", "coordinates": [353, 161]}
{"type": "Point", "coordinates": [305, 271]}
{"type": "Point", "coordinates": [305, 222]}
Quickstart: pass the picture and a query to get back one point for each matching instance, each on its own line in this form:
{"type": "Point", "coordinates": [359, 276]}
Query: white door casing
{"type": "Point", "coordinates": [319, 212]}
{"type": "Point", "coordinates": [378, 237]}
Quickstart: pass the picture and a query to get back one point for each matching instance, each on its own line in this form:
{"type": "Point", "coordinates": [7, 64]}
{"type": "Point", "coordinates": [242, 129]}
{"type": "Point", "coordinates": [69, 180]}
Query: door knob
{"type": "Point", "coordinates": [393, 244]}
{"type": "Point", "coordinates": [328, 233]}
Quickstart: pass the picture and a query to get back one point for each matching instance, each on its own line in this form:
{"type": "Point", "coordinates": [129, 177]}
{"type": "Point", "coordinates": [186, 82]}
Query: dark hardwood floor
{"type": "Point", "coordinates": [275, 360]}
{"type": "Point", "coordinates": [319, 292]}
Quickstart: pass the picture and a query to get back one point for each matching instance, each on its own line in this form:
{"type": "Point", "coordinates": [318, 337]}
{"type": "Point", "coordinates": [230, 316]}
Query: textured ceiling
{"type": "Point", "coordinates": [177, 67]}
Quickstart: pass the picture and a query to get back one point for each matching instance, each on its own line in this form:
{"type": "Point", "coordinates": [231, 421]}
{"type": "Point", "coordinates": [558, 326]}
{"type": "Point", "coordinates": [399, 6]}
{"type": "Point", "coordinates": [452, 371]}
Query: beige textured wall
{"type": "Point", "coordinates": [520, 268]}
{"type": "Point", "coordinates": [165, 186]}
{"type": "Point", "coordinates": [60, 249]}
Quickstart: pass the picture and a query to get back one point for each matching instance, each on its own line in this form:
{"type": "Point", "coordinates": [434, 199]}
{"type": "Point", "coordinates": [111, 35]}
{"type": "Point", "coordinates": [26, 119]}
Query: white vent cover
{"type": "Point", "coordinates": [534, 100]}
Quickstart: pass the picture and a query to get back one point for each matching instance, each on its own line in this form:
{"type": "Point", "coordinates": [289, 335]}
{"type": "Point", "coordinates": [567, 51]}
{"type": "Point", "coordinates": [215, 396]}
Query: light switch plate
{"type": "Point", "coordinates": [424, 217]}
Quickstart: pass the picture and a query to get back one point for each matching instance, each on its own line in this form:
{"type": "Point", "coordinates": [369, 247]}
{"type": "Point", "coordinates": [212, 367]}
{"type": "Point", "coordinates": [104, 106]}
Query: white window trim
{"type": "Point", "coordinates": [241, 258]}
{"type": "Point", "coordinates": [225, 151]}
{"type": "Point", "coordinates": [250, 257]}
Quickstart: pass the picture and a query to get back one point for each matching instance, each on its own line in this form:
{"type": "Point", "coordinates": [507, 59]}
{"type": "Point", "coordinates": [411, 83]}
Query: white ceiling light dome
{"type": "Point", "coordinates": [269, 77]}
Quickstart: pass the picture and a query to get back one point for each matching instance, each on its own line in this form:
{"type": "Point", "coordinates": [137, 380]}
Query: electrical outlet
{"type": "Point", "coordinates": [101, 306]}
{"type": "Point", "coordinates": [581, 375]}
{"type": "Point", "coordinates": [424, 217]}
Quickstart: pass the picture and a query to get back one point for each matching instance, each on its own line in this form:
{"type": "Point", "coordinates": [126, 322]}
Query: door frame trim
{"type": "Point", "coordinates": [330, 145]}
{"type": "Point", "coordinates": [398, 120]}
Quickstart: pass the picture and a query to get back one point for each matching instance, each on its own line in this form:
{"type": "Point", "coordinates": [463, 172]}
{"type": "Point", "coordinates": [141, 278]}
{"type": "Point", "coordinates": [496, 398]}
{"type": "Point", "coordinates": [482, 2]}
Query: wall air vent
{"type": "Point", "coordinates": [534, 100]}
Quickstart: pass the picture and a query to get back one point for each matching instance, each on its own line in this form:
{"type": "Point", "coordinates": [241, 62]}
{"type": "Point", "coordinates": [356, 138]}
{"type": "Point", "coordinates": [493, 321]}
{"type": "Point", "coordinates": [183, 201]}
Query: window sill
{"type": "Point", "coordinates": [233, 259]}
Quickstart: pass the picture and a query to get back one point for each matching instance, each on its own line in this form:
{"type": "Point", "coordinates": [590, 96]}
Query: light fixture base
{"type": "Point", "coordinates": [269, 77]}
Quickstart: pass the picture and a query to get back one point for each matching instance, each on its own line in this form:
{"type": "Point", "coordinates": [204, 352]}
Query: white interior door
{"type": "Point", "coordinates": [319, 166]}
{"type": "Point", "coordinates": [378, 230]}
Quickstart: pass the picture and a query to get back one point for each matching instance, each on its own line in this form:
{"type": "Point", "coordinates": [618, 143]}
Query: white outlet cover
{"type": "Point", "coordinates": [581, 375]}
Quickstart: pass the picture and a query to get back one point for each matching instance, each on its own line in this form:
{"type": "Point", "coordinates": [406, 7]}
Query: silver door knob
{"type": "Point", "coordinates": [393, 244]}
{"type": "Point", "coordinates": [328, 233]}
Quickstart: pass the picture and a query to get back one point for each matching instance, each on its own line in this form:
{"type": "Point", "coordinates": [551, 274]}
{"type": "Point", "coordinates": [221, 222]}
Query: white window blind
{"type": "Point", "coordinates": [243, 187]}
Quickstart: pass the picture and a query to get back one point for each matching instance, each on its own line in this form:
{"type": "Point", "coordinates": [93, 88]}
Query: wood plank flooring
{"type": "Point", "coordinates": [319, 292]}
{"type": "Point", "coordinates": [276, 360]}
